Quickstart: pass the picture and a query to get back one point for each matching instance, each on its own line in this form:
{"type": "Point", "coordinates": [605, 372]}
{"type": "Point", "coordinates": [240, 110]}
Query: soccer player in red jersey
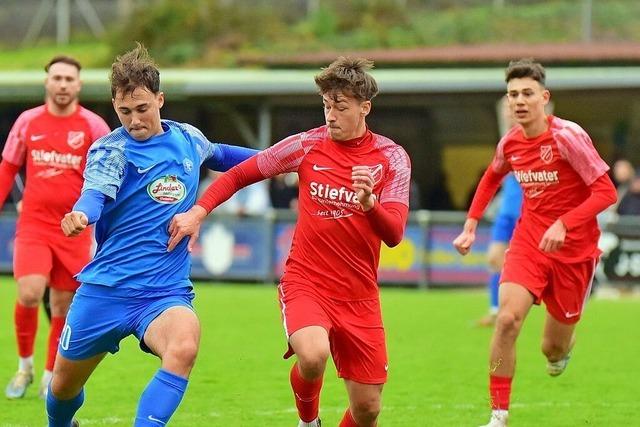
{"type": "Point", "coordinates": [353, 195]}
{"type": "Point", "coordinates": [553, 252]}
{"type": "Point", "coordinates": [51, 141]}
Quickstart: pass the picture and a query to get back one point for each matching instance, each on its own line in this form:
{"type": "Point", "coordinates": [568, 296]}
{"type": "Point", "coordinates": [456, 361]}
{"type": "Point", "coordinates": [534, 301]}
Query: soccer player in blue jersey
{"type": "Point", "coordinates": [136, 179]}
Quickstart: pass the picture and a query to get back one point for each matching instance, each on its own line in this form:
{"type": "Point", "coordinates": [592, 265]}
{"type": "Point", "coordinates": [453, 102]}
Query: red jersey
{"type": "Point", "coordinates": [555, 171]}
{"type": "Point", "coordinates": [336, 245]}
{"type": "Point", "coordinates": [54, 150]}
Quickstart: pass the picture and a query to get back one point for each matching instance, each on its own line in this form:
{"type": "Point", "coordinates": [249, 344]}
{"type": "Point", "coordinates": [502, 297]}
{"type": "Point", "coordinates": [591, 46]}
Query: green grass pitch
{"type": "Point", "coordinates": [437, 374]}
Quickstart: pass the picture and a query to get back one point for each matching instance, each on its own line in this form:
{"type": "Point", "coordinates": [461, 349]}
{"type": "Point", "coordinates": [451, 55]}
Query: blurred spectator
{"type": "Point", "coordinates": [414, 196]}
{"type": "Point", "coordinates": [629, 204]}
{"type": "Point", "coordinates": [250, 201]}
{"type": "Point", "coordinates": [437, 197]}
{"type": "Point", "coordinates": [283, 190]}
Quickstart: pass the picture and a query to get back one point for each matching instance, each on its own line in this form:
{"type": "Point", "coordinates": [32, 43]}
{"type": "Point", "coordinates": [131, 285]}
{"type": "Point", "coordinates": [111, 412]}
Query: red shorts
{"type": "Point", "coordinates": [564, 287]}
{"type": "Point", "coordinates": [57, 258]}
{"type": "Point", "coordinates": [356, 333]}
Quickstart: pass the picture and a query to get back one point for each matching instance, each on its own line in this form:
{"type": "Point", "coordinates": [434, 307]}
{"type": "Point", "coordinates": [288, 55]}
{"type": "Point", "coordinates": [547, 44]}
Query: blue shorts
{"type": "Point", "coordinates": [101, 316]}
{"type": "Point", "coordinates": [502, 229]}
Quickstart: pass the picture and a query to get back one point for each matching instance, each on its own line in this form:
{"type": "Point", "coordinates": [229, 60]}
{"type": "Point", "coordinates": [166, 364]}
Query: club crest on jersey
{"type": "Point", "coordinates": [75, 139]}
{"type": "Point", "coordinates": [167, 189]}
{"type": "Point", "coordinates": [376, 171]}
{"type": "Point", "coordinates": [187, 165]}
{"type": "Point", "coordinates": [546, 154]}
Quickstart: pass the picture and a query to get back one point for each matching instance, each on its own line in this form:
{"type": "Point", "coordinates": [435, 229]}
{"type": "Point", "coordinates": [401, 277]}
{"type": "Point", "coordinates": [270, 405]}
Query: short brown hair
{"type": "Point", "coordinates": [65, 60]}
{"type": "Point", "coordinates": [350, 76]}
{"type": "Point", "coordinates": [132, 70]}
{"type": "Point", "coordinates": [526, 67]}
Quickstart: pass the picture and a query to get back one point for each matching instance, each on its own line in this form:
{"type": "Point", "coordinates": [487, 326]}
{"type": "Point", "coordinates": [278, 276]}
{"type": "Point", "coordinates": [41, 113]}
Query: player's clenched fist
{"type": "Point", "coordinates": [465, 240]}
{"type": "Point", "coordinates": [73, 223]}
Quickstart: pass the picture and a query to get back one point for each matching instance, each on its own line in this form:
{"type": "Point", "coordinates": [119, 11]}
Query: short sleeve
{"type": "Point", "coordinates": [106, 162]}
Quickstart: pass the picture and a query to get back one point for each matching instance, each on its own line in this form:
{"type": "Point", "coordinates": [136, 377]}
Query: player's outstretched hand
{"type": "Point", "coordinates": [186, 224]}
{"type": "Point", "coordinates": [363, 184]}
{"type": "Point", "coordinates": [73, 223]}
{"type": "Point", "coordinates": [465, 240]}
{"type": "Point", "coordinates": [554, 237]}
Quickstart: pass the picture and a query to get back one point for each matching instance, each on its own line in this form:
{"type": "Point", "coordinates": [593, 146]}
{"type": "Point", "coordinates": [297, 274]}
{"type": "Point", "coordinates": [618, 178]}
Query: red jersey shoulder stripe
{"type": "Point", "coordinates": [15, 147]}
{"type": "Point", "coordinates": [287, 155]}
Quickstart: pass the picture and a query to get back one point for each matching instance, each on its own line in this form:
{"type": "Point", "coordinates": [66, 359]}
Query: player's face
{"type": "Point", "coordinates": [62, 84]}
{"type": "Point", "coordinates": [527, 99]}
{"type": "Point", "coordinates": [345, 115]}
{"type": "Point", "coordinates": [139, 112]}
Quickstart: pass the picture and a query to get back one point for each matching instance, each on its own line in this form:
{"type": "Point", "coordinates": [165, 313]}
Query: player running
{"type": "Point", "coordinates": [553, 252]}
{"type": "Point", "coordinates": [136, 179]}
{"type": "Point", "coordinates": [353, 194]}
{"type": "Point", "coordinates": [52, 141]}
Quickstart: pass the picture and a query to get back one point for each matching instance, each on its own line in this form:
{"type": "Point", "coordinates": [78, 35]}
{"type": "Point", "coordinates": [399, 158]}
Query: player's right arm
{"type": "Point", "coordinates": [487, 188]}
{"type": "Point", "coordinates": [285, 156]}
{"type": "Point", "coordinates": [13, 154]}
{"type": "Point", "coordinates": [103, 176]}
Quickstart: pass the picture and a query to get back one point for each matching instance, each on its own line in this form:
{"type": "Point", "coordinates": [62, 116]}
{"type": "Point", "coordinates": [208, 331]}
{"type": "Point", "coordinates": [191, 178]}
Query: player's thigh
{"type": "Point", "coordinates": [96, 323]}
{"type": "Point", "coordinates": [69, 376]}
{"type": "Point", "coordinates": [528, 270]}
{"type": "Point", "coordinates": [570, 286]}
{"type": "Point", "coordinates": [358, 343]}
{"type": "Point", "coordinates": [69, 257]}
{"type": "Point", "coordinates": [31, 256]}
{"type": "Point", "coordinates": [311, 343]}
{"type": "Point", "coordinates": [60, 301]}
{"type": "Point", "coordinates": [495, 255]}
{"type": "Point", "coordinates": [306, 323]}
{"type": "Point", "coordinates": [176, 326]}
{"type": "Point", "coordinates": [31, 288]}
{"type": "Point", "coordinates": [32, 262]}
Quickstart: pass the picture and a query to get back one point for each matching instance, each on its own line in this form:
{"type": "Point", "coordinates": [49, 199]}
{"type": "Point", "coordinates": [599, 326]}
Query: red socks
{"type": "Point", "coordinates": [57, 323]}
{"type": "Point", "coordinates": [500, 391]}
{"type": "Point", "coordinates": [347, 420]}
{"type": "Point", "coordinates": [307, 394]}
{"type": "Point", "coordinates": [26, 324]}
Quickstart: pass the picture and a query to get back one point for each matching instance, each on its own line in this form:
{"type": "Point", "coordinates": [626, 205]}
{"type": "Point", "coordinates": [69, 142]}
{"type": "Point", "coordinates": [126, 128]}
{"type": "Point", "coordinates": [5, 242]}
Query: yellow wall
{"type": "Point", "coordinates": [463, 164]}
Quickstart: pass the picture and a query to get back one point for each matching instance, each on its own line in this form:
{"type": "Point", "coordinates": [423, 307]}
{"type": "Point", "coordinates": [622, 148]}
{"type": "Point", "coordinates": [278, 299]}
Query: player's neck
{"type": "Point", "coordinates": [535, 128]}
{"type": "Point", "coordinates": [61, 111]}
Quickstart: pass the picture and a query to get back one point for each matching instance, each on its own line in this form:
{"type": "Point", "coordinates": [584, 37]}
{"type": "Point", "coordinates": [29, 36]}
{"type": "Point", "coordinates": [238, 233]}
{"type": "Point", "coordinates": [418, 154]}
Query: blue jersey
{"type": "Point", "coordinates": [147, 183]}
{"type": "Point", "coordinates": [511, 199]}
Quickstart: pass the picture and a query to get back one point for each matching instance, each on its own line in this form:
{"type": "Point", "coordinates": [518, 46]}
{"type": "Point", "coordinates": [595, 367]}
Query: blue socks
{"type": "Point", "coordinates": [160, 399]}
{"type": "Point", "coordinates": [494, 282]}
{"type": "Point", "coordinates": [61, 412]}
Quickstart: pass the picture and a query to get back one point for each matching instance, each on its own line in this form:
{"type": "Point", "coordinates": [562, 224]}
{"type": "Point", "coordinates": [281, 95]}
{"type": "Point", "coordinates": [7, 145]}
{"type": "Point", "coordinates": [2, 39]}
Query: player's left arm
{"type": "Point", "coordinates": [578, 150]}
{"type": "Point", "coordinates": [387, 216]}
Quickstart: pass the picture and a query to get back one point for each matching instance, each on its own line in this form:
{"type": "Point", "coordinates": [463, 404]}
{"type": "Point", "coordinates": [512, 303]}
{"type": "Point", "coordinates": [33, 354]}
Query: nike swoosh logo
{"type": "Point", "coordinates": [514, 158]}
{"type": "Point", "coordinates": [37, 137]}
{"type": "Point", "coordinates": [321, 168]}
{"type": "Point", "coordinates": [570, 315]}
{"type": "Point", "coordinates": [152, 418]}
{"type": "Point", "coordinates": [145, 170]}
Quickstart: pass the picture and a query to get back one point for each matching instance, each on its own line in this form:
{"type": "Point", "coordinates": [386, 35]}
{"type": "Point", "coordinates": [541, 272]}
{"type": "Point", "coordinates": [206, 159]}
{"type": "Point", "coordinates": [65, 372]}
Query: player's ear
{"type": "Point", "coordinates": [160, 98]}
{"type": "Point", "coordinates": [365, 108]}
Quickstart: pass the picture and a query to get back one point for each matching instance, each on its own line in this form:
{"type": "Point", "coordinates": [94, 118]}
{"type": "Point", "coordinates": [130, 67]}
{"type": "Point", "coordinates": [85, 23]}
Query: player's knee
{"type": "Point", "coordinates": [365, 411]}
{"type": "Point", "coordinates": [312, 362]}
{"type": "Point", "coordinates": [63, 390]}
{"type": "Point", "coordinates": [183, 353]}
{"type": "Point", "coordinates": [29, 297]}
{"type": "Point", "coordinates": [508, 323]}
